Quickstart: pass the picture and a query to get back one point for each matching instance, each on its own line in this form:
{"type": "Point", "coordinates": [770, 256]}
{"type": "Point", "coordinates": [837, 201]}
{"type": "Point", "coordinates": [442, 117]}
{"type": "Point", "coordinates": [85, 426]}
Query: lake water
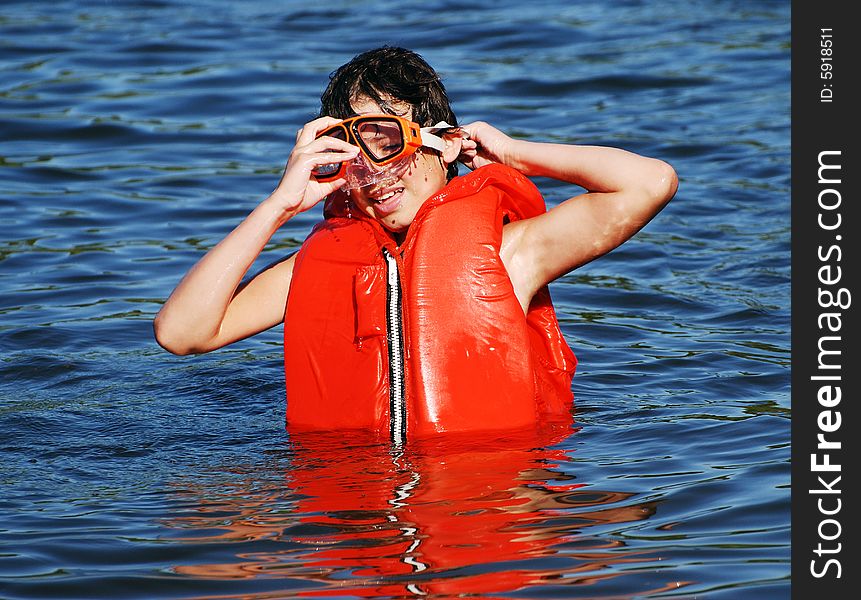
{"type": "Point", "coordinates": [134, 135]}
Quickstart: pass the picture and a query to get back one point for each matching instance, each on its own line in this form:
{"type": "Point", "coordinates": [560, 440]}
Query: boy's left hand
{"type": "Point", "coordinates": [485, 145]}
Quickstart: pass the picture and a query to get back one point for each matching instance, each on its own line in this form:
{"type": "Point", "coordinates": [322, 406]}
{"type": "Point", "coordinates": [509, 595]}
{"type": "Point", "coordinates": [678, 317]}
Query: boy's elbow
{"type": "Point", "coordinates": [167, 339]}
{"type": "Point", "coordinates": [665, 182]}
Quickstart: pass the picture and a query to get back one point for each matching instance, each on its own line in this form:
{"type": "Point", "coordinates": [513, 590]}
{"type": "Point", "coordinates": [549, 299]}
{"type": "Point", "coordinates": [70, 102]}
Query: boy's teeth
{"type": "Point", "coordinates": [385, 197]}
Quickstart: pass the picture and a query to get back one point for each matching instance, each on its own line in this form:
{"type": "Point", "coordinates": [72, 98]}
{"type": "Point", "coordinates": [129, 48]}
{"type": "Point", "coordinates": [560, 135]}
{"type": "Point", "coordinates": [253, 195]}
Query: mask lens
{"type": "Point", "coordinates": [381, 139]}
{"type": "Point", "coordinates": [331, 169]}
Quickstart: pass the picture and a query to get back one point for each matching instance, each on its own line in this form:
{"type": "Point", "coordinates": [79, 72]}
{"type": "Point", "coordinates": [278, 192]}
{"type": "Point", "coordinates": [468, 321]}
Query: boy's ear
{"type": "Point", "coordinates": [453, 144]}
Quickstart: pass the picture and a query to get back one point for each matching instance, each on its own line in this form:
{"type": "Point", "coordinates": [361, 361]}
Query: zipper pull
{"type": "Point", "coordinates": [393, 269]}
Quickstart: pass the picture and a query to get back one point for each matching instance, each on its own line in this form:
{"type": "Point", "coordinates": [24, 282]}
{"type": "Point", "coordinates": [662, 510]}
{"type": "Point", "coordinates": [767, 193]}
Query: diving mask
{"type": "Point", "coordinates": [386, 144]}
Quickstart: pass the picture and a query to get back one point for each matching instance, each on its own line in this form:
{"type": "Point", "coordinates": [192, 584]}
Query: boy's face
{"type": "Point", "coordinates": [395, 204]}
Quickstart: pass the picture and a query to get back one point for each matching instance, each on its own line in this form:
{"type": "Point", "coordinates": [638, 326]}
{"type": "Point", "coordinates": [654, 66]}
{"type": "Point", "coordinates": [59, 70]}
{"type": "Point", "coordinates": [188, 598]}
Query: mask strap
{"type": "Point", "coordinates": [429, 137]}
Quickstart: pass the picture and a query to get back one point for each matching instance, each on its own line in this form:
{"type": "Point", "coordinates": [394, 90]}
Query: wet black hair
{"type": "Point", "coordinates": [390, 73]}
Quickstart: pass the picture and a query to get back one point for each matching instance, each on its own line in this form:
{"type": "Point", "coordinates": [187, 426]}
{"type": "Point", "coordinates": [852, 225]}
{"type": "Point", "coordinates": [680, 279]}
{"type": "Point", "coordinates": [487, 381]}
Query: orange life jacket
{"type": "Point", "coordinates": [428, 336]}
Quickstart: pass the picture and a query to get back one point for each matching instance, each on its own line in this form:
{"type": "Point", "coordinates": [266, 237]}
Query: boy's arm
{"type": "Point", "coordinates": [209, 308]}
{"type": "Point", "coordinates": [623, 192]}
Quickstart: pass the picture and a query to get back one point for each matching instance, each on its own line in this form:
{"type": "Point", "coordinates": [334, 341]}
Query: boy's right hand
{"type": "Point", "coordinates": [298, 189]}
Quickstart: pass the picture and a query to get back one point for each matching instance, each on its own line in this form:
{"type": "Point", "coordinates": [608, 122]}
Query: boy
{"type": "Point", "coordinates": [420, 304]}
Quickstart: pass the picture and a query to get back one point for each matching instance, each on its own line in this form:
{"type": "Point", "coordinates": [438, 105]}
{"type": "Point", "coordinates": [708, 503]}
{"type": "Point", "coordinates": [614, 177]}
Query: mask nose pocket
{"type": "Point", "coordinates": [369, 295]}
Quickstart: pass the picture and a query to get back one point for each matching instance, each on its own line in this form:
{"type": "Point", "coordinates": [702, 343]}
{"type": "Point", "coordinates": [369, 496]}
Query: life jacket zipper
{"type": "Point", "coordinates": [395, 332]}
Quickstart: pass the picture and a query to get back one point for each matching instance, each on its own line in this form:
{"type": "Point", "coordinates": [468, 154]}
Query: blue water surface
{"type": "Point", "coordinates": [135, 134]}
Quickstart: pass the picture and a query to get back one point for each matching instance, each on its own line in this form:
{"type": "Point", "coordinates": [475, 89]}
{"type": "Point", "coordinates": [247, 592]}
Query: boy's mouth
{"type": "Point", "coordinates": [387, 200]}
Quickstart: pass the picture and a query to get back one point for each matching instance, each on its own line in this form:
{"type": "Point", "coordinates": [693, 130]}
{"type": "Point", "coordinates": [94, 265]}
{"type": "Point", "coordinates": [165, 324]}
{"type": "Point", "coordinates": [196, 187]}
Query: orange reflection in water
{"type": "Point", "coordinates": [455, 516]}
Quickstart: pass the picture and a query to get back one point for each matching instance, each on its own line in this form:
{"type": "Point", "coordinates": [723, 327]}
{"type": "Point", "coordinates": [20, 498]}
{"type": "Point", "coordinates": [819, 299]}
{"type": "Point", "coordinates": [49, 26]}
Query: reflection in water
{"type": "Point", "coordinates": [453, 517]}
